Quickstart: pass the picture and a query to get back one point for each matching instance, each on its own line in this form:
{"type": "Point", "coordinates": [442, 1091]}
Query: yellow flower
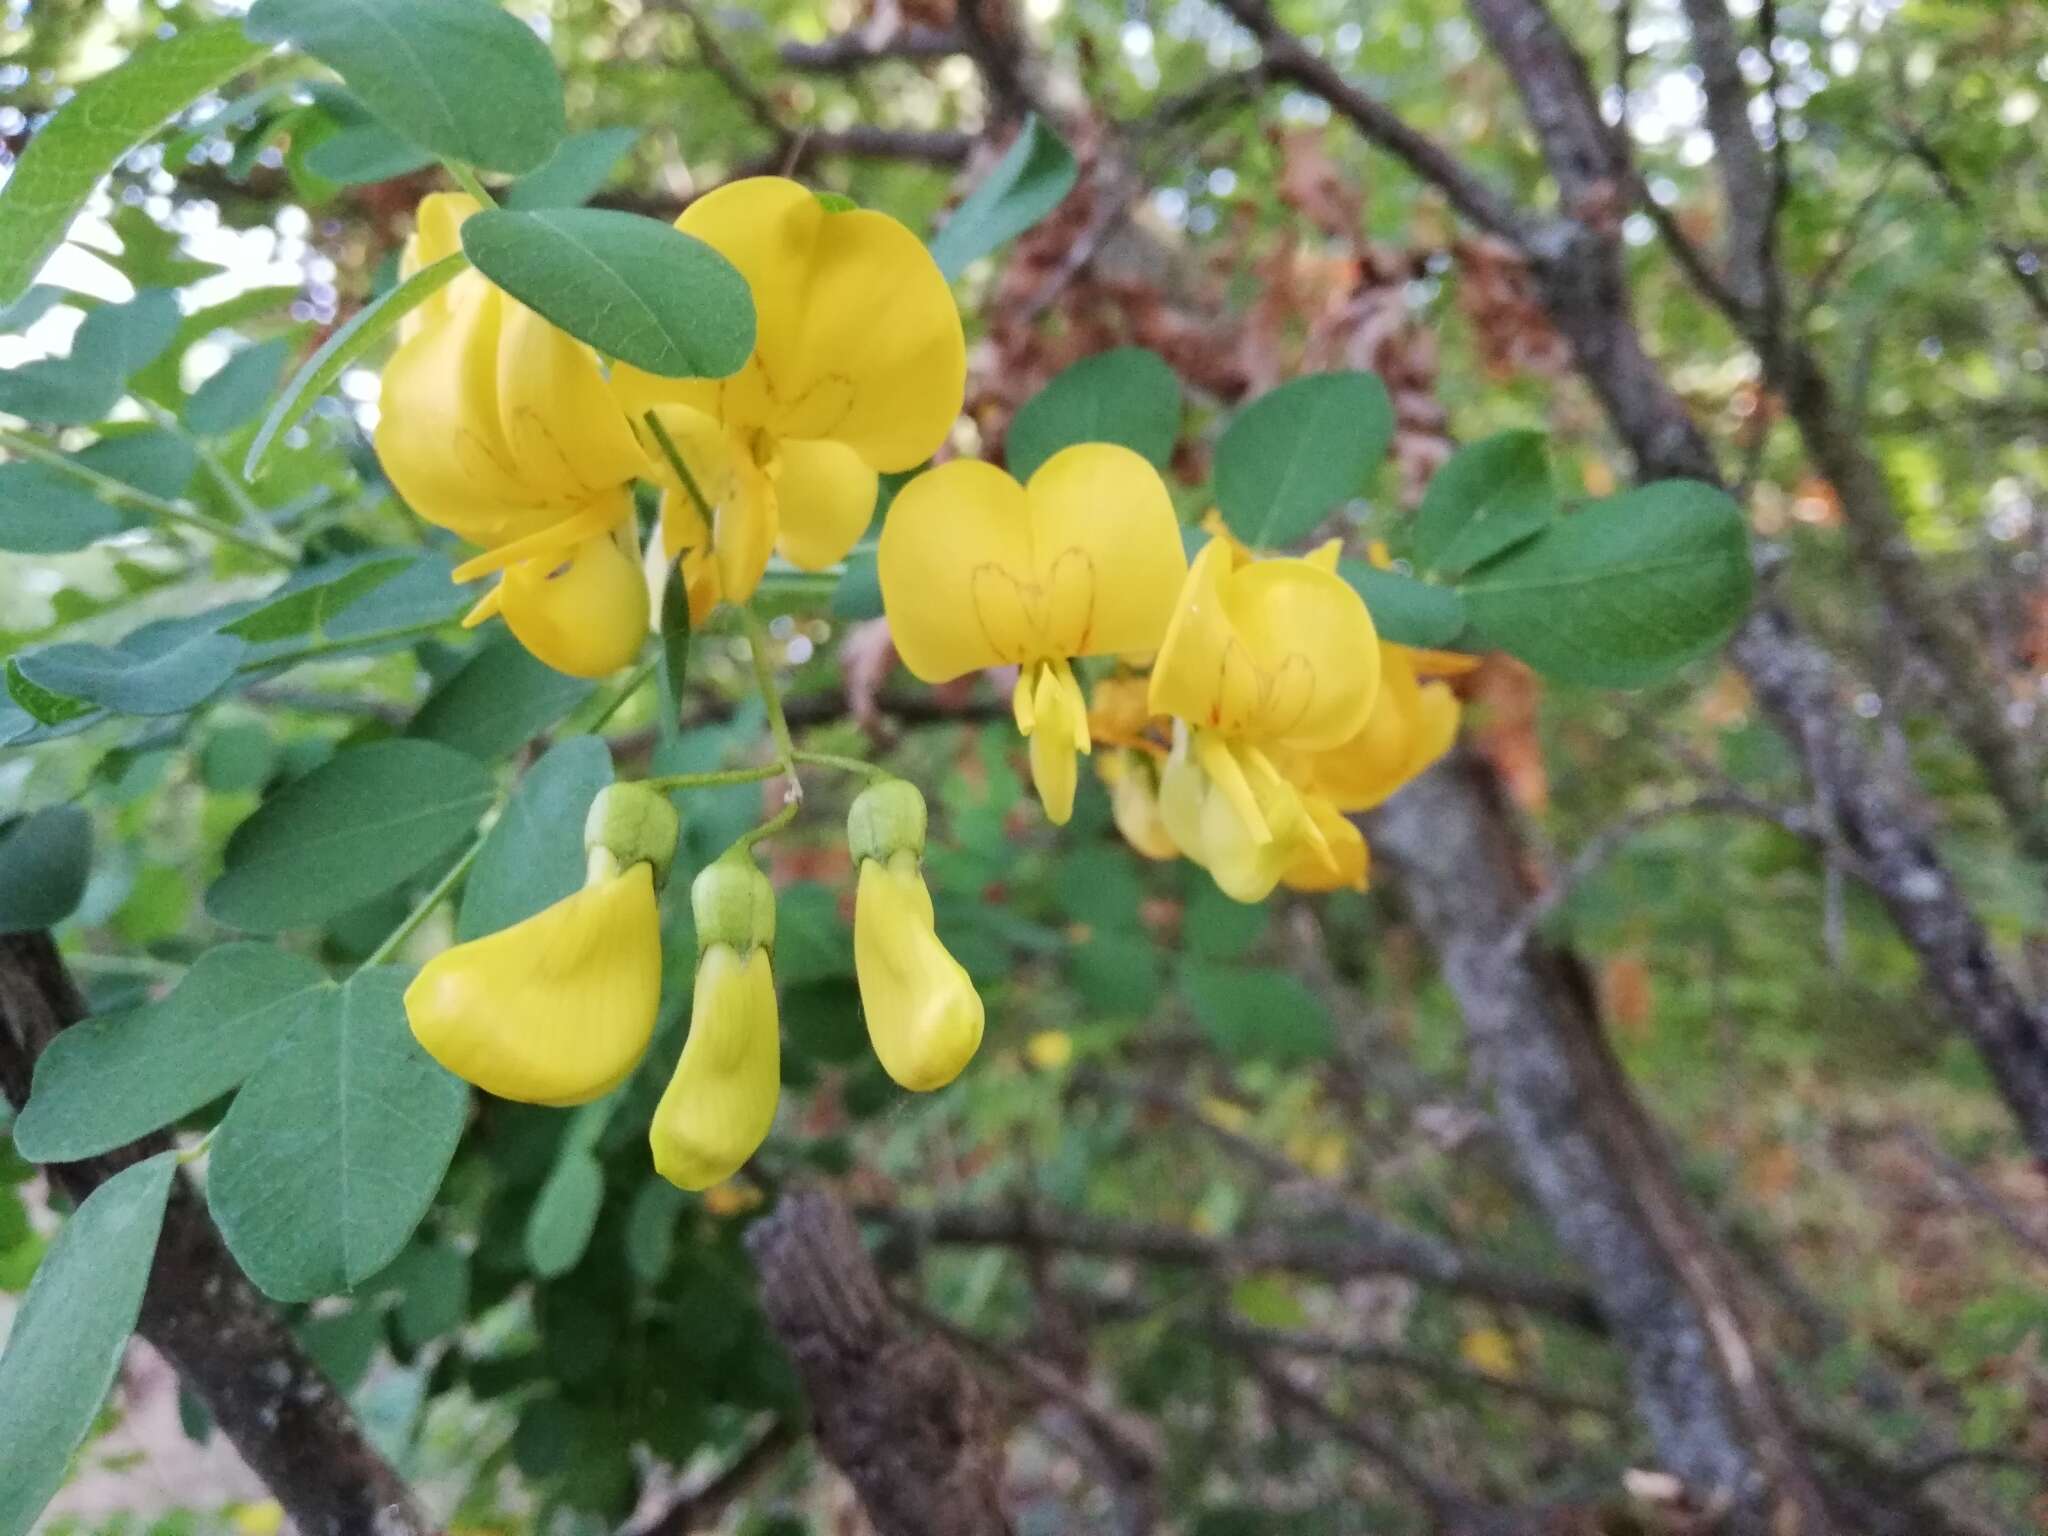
{"type": "Point", "coordinates": [859, 367]}
{"type": "Point", "coordinates": [734, 1197]}
{"type": "Point", "coordinates": [1229, 809]}
{"type": "Point", "coordinates": [1279, 652]}
{"type": "Point", "coordinates": [1132, 775]}
{"type": "Point", "coordinates": [557, 1009]}
{"type": "Point", "coordinates": [1049, 1049]}
{"type": "Point", "coordinates": [264, 1518]}
{"type": "Point", "coordinates": [1118, 711]}
{"type": "Point", "coordinates": [1265, 661]}
{"type": "Point", "coordinates": [1411, 726]}
{"type": "Point", "coordinates": [979, 571]}
{"type": "Point", "coordinates": [719, 1105]}
{"type": "Point", "coordinates": [497, 426]}
{"type": "Point", "coordinates": [924, 1017]}
{"type": "Point", "coordinates": [1340, 862]}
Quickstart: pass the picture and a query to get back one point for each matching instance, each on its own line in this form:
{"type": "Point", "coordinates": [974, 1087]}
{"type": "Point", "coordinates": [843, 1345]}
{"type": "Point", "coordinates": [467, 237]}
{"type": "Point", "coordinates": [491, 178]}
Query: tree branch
{"type": "Point", "coordinates": [2024, 263]}
{"type": "Point", "coordinates": [1747, 182]}
{"type": "Point", "coordinates": [290, 1425]}
{"type": "Point", "coordinates": [854, 50]}
{"type": "Point", "coordinates": [1930, 623]}
{"type": "Point", "coordinates": [1285, 58]}
{"type": "Point", "coordinates": [1334, 1256]}
{"type": "Point", "coordinates": [694, 1512]}
{"type": "Point", "coordinates": [896, 1411]}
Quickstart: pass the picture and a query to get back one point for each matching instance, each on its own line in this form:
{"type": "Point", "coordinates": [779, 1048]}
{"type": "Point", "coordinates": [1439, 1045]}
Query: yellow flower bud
{"type": "Point", "coordinates": [719, 1105]}
{"type": "Point", "coordinates": [924, 1016]}
{"type": "Point", "coordinates": [554, 1010]}
{"type": "Point", "coordinates": [717, 1108]}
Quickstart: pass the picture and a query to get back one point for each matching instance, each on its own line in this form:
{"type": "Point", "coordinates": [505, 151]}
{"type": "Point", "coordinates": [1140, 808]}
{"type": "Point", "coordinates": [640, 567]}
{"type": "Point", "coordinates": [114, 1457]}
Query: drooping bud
{"type": "Point", "coordinates": [555, 1010]}
{"type": "Point", "coordinates": [924, 1017]}
{"type": "Point", "coordinates": [719, 1105]}
{"type": "Point", "coordinates": [885, 819]}
{"type": "Point", "coordinates": [634, 825]}
{"type": "Point", "coordinates": [734, 905]}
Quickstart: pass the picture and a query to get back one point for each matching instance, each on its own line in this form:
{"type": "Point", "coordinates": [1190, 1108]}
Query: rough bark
{"type": "Point", "coordinates": [1577, 264]}
{"type": "Point", "coordinates": [1591, 1158]}
{"type": "Point", "coordinates": [290, 1425]}
{"type": "Point", "coordinates": [1352, 1247]}
{"type": "Point", "coordinates": [894, 1409]}
{"type": "Point", "coordinates": [1935, 627]}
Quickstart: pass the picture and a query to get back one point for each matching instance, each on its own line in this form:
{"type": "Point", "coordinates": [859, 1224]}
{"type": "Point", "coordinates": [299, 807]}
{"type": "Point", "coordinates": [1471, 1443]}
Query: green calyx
{"type": "Point", "coordinates": [634, 825]}
{"type": "Point", "coordinates": [733, 904]}
{"type": "Point", "coordinates": [886, 819]}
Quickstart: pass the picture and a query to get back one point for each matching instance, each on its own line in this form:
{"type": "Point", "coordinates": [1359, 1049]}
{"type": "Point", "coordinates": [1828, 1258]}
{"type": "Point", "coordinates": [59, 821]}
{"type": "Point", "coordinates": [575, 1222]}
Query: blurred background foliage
{"type": "Point", "coordinates": [552, 1350]}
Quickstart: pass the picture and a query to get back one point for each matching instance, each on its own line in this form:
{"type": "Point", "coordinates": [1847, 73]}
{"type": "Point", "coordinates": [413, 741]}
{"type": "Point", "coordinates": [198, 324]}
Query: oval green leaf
{"type": "Point", "coordinates": [1127, 396]}
{"type": "Point", "coordinates": [497, 701]}
{"type": "Point", "coordinates": [533, 855]}
{"type": "Point", "coordinates": [138, 681]}
{"type": "Point", "coordinates": [44, 861]}
{"type": "Point", "coordinates": [351, 829]}
{"type": "Point", "coordinates": [1299, 451]}
{"type": "Point", "coordinates": [235, 395]}
{"type": "Point", "coordinates": [635, 288]}
{"type": "Point", "coordinates": [103, 1083]}
{"type": "Point", "coordinates": [1404, 610]}
{"type": "Point", "coordinates": [333, 1150]}
{"type": "Point", "coordinates": [1491, 495]}
{"type": "Point", "coordinates": [579, 169]}
{"type": "Point", "coordinates": [71, 1332]}
{"type": "Point", "coordinates": [343, 348]}
{"type": "Point", "coordinates": [564, 1214]}
{"type": "Point", "coordinates": [109, 116]}
{"type": "Point", "coordinates": [1034, 175]}
{"type": "Point", "coordinates": [361, 153]}
{"type": "Point", "coordinates": [46, 512]}
{"type": "Point", "coordinates": [1622, 593]}
{"type": "Point", "coordinates": [461, 78]}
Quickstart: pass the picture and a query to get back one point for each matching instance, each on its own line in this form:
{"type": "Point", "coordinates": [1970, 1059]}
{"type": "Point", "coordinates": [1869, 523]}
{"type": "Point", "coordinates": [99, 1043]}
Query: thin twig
{"type": "Point", "coordinates": [1793, 820]}
{"type": "Point", "coordinates": [118, 492]}
{"type": "Point", "coordinates": [699, 1510]}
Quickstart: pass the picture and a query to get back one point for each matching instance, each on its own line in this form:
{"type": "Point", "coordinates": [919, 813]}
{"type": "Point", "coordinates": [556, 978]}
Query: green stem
{"type": "Point", "coordinates": [183, 514]}
{"type": "Point", "coordinates": [757, 634]}
{"type": "Point", "coordinates": [713, 778]}
{"type": "Point", "coordinates": [867, 770]}
{"type": "Point", "coordinates": [320, 648]}
{"type": "Point", "coordinates": [674, 455]}
{"type": "Point", "coordinates": [743, 846]}
{"type": "Point", "coordinates": [231, 486]}
{"type": "Point", "coordinates": [465, 178]}
{"type": "Point", "coordinates": [626, 691]}
{"type": "Point", "coordinates": [419, 914]}
{"type": "Point", "coordinates": [771, 698]}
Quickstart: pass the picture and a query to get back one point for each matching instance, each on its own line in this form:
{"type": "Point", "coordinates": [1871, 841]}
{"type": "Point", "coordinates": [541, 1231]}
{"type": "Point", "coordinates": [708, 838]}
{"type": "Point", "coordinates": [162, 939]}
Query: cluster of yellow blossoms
{"type": "Point", "coordinates": [1271, 709]}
